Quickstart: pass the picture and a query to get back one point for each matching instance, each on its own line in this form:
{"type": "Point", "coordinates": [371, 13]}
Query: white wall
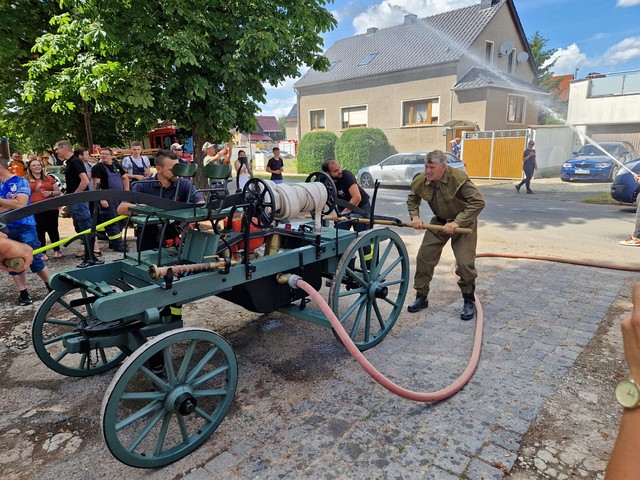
{"type": "Point", "coordinates": [613, 109]}
{"type": "Point", "coordinates": [555, 145]}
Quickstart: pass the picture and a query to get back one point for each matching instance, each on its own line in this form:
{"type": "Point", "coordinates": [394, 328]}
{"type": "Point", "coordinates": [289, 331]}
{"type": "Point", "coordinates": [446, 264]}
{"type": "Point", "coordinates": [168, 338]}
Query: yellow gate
{"type": "Point", "coordinates": [494, 154]}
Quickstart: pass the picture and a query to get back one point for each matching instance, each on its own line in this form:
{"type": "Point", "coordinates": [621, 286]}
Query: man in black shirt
{"type": "Point", "coordinates": [78, 181]}
{"type": "Point", "coordinates": [109, 175]}
{"type": "Point", "coordinates": [275, 166]}
{"type": "Point", "coordinates": [348, 190]}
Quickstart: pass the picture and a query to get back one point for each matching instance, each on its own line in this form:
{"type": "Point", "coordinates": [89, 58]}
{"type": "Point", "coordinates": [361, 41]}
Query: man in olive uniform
{"type": "Point", "coordinates": [455, 202]}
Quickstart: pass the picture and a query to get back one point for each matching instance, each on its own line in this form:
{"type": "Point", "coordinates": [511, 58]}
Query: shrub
{"type": "Point", "coordinates": [314, 149]}
{"type": "Point", "coordinates": [361, 147]}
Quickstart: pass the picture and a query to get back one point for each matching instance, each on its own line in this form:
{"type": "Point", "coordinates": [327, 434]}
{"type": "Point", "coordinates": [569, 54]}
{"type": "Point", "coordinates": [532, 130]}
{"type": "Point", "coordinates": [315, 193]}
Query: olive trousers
{"type": "Point", "coordinates": [464, 250]}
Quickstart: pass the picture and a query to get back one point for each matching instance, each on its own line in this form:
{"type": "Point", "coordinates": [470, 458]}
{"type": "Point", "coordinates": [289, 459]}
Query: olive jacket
{"type": "Point", "coordinates": [453, 198]}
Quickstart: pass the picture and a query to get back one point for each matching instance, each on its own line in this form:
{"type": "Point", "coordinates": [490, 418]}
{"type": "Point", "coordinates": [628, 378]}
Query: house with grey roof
{"type": "Point", "coordinates": [426, 81]}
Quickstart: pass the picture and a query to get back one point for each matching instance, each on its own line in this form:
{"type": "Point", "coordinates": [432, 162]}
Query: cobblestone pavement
{"type": "Point", "coordinates": [305, 409]}
{"type": "Point", "coordinates": [352, 428]}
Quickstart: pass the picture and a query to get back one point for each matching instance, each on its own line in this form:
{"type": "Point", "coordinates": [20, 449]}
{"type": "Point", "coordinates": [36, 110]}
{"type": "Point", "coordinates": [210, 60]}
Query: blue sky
{"type": "Point", "coordinates": [591, 35]}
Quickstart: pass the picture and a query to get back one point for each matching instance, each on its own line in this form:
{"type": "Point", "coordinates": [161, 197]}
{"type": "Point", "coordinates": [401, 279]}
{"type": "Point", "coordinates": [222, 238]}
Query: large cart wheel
{"type": "Point", "coordinates": [331, 190]}
{"type": "Point", "coordinates": [369, 287]}
{"type": "Point", "coordinates": [169, 397]}
{"type": "Point", "coordinates": [261, 202]}
{"type": "Point", "coordinates": [57, 320]}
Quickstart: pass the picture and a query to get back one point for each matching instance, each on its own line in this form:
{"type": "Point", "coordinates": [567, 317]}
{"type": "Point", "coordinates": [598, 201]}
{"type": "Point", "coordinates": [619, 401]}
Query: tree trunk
{"type": "Point", "coordinates": [87, 125]}
{"type": "Point", "coordinates": [198, 156]}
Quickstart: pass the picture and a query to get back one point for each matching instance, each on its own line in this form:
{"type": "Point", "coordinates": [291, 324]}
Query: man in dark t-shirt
{"type": "Point", "coordinates": [78, 181]}
{"type": "Point", "coordinates": [166, 185]}
{"type": "Point", "coordinates": [348, 189]}
{"type": "Point", "coordinates": [109, 175]}
{"type": "Point", "coordinates": [275, 166]}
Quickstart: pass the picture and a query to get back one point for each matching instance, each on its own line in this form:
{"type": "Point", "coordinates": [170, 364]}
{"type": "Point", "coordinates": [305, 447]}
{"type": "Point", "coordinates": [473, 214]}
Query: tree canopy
{"type": "Point", "coordinates": [201, 63]}
{"type": "Point", "coordinates": [541, 57]}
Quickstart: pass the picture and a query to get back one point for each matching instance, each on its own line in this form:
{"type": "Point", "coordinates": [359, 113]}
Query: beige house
{"type": "Point", "coordinates": [427, 80]}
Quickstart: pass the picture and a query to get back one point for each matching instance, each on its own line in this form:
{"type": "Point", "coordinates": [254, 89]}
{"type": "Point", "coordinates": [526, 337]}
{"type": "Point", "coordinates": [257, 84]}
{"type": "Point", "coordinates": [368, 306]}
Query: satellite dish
{"type": "Point", "coordinates": [522, 57]}
{"type": "Point", "coordinates": [505, 48]}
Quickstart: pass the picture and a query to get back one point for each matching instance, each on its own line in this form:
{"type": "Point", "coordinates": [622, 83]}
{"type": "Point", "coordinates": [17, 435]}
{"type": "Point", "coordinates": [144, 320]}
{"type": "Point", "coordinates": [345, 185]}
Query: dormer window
{"type": "Point", "coordinates": [333, 64]}
{"type": "Point", "coordinates": [368, 59]}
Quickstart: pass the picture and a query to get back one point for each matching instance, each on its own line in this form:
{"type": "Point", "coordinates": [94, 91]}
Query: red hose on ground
{"type": "Point", "coordinates": [297, 282]}
{"type": "Point", "coordinates": [460, 382]}
{"type": "Point", "coordinates": [559, 260]}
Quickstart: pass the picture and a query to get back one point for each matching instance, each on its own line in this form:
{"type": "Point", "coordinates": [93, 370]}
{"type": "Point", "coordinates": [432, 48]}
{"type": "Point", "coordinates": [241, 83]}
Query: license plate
{"type": "Point", "coordinates": [582, 170]}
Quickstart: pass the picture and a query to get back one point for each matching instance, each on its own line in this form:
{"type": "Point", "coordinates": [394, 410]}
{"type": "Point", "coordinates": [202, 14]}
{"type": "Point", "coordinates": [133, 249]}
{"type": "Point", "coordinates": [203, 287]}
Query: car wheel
{"type": "Point", "coordinates": [366, 180]}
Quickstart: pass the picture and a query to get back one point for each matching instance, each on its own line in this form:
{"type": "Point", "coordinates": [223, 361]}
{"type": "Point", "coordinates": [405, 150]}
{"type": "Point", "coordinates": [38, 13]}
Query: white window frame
{"type": "Point", "coordinates": [491, 45]}
{"type": "Point", "coordinates": [511, 62]}
{"type": "Point", "coordinates": [428, 121]}
{"type": "Point", "coordinates": [358, 125]}
{"type": "Point", "coordinates": [324, 116]}
{"type": "Point", "coordinates": [523, 111]}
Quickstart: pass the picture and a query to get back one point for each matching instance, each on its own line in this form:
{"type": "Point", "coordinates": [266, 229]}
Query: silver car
{"type": "Point", "coordinates": [400, 169]}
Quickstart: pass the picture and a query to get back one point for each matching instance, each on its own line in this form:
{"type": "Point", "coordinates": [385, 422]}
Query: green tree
{"type": "Point", "coordinates": [314, 149]}
{"type": "Point", "coordinates": [360, 147]}
{"type": "Point", "coordinates": [34, 125]}
{"type": "Point", "coordinates": [555, 108]}
{"type": "Point", "coordinates": [282, 121]}
{"type": "Point", "coordinates": [201, 63]}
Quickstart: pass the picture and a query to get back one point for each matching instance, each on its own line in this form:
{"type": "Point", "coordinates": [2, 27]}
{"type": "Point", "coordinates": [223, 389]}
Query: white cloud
{"type": "Point", "coordinates": [627, 3]}
{"type": "Point", "coordinates": [392, 12]}
{"type": "Point", "coordinates": [567, 60]}
{"type": "Point", "coordinates": [279, 106]}
{"type": "Point", "coordinates": [621, 52]}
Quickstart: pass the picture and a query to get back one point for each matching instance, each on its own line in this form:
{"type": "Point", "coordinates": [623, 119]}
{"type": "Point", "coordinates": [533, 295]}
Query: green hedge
{"type": "Point", "coordinates": [361, 147]}
{"type": "Point", "coordinates": [313, 150]}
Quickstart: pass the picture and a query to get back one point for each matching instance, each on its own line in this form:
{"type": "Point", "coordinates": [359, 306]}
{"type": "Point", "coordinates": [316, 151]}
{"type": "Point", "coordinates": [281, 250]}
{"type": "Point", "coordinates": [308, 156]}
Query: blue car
{"type": "Point", "coordinates": [591, 163]}
{"type": "Point", "coordinates": [624, 187]}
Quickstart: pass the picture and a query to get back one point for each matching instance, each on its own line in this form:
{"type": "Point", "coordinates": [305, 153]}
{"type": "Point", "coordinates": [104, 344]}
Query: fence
{"type": "Point", "coordinates": [496, 154]}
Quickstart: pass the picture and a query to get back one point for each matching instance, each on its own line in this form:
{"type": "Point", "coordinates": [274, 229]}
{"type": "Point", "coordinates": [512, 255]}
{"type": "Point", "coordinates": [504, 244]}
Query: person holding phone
{"type": "Point", "coordinates": [528, 166]}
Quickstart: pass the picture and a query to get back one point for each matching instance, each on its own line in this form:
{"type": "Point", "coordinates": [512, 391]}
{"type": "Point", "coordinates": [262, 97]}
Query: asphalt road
{"type": "Point", "coordinates": [553, 221]}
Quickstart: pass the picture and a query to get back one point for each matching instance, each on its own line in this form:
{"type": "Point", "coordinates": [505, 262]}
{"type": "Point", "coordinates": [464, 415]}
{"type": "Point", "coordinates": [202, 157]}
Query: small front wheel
{"type": "Point", "coordinates": [169, 397]}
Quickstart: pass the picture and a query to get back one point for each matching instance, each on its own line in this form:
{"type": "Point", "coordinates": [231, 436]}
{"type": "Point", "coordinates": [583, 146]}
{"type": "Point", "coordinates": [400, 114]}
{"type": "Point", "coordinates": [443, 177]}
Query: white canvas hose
{"type": "Point", "coordinates": [292, 200]}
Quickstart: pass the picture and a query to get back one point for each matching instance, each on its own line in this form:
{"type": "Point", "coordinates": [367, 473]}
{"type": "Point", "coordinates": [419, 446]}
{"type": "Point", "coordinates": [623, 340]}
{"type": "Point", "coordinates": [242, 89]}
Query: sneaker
{"type": "Point", "coordinates": [632, 241]}
{"type": "Point", "coordinates": [517, 188]}
{"type": "Point", "coordinates": [24, 298]}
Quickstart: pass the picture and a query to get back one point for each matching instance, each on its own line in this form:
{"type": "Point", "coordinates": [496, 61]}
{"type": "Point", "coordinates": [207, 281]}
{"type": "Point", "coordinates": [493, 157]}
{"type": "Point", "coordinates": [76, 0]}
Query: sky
{"type": "Point", "coordinates": [589, 35]}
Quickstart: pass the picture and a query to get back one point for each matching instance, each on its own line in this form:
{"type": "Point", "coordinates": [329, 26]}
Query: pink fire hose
{"type": "Point", "coordinates": [296, 281]}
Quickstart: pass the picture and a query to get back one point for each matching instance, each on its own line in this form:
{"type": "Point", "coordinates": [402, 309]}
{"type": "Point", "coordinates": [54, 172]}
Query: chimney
{"type": "Point", "coordinates": [410, 18]}
{"type": "Point", "coordinates": [488, 3]}
{"type": "Point", "coordinates": [371, 30]}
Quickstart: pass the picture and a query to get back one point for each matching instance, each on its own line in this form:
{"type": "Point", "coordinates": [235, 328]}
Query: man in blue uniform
{"type": "Point", "coordinates": [166, 185]}
{"type": "Point", "coordinates": [15, 193]}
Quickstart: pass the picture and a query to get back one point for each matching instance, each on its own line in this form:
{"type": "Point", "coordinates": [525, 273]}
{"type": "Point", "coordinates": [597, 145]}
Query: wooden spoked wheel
{"type": "Point", "coordinates": [369, 286]}
{"type": "Point", "coordinates": [57, 321]}
{"type": "Point", "coordinates": [169, 397]}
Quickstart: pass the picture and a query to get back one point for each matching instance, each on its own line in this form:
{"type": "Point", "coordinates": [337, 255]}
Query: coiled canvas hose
{"type": "Point", "coordinates": [292, 200]}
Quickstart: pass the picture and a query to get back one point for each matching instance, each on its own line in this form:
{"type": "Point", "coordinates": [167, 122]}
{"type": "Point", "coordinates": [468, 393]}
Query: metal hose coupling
{"type": "Point", "coordinates": [290, 278]}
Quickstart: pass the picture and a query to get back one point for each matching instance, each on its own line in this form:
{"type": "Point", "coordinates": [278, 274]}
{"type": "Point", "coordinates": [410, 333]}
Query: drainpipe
{"type": "Point", "coordinates": [298, 128]}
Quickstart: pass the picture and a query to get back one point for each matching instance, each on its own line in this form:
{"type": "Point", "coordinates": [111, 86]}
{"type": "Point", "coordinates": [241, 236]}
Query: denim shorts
{"type": "Point", "coordinates": [27, 234]}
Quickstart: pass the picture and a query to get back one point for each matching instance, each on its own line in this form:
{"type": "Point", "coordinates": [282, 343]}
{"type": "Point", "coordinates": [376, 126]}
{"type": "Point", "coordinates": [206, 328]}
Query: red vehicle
{"type": "Point", "coordinates": [162, 138]}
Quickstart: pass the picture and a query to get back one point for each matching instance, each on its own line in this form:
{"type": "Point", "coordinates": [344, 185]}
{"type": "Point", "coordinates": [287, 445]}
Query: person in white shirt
{"type": "Point", "coordinates": [136, 165]}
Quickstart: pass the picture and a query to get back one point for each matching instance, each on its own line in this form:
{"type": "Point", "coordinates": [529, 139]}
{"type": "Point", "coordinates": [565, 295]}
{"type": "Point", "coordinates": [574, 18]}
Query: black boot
{"type": "Point", "coordinates": [469, 307]}
{"type": "Point", "coordinates": [418, 304]}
